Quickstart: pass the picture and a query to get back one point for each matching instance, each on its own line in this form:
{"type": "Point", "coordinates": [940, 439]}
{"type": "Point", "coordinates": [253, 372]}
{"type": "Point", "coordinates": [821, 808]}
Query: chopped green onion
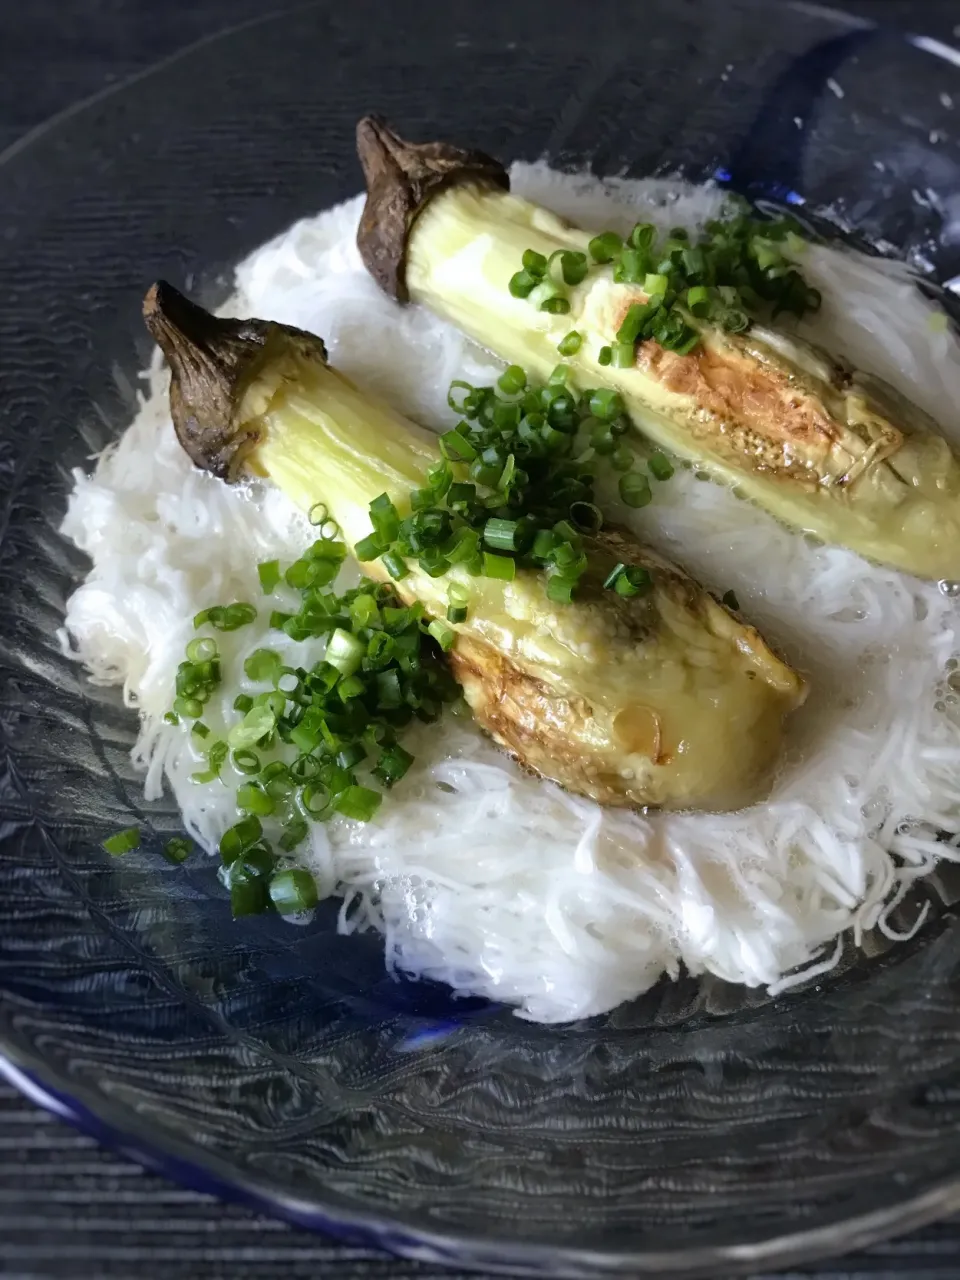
{"type": "Point", "coordinates": [459, 385]}
{"type": "Point", "coordinates": [606, 405]}
{"type": "Point", "coordinates": [275, 779]}
{"type": "Point", "coordinates": [543, 544]}
{"type": "Point", "coordinates": [246, 761]}
{"type": "Point", "coordinates": [573, 265]}
{"type": "Point", "coordinates": [440, 476]}
{"type": "Point", "coordinates": [392, 765]}
{"type": "Point", "coordinates": [360, 803]}
{"type": "Point", "coordinates": [465, 545]}
{"type": "Point", "coordinates": [269, 574]}
{"type": "Point", "coordinates": [200, 730]}
{"type": "Point", "coordinates": [232, 617]}
{"type": "Point", "coordinates": [177, 850]}
{"type": "Point", "coordinates": [189, 708]}
{"type": "Point", "coordinates": [734, 320]}
{"type": "Point", "coordinates": [624, 355]}
{"type": "Point", "coordinates": [443, 634]}
{"type": "Point", "coordinates": [660, 466]}
{"type": "Point", "coordinates": [655, 284]}
{"type": "Point", "coordinates": [420, 500]}
{"type": "Point", "coordinates": [351, 755]}
{"type": "Point", "coordinates": [351, 687]}
{"type": "Point", "coordinates": [123, 842]}
{"type": "Point", "coordinates": [522, 284]}
{"type": "Point", "coordinates": [364, 611]}
{"type": "Point", "coordinates": [288, 683]}
{"type": "Point", "coordinates": [254, 800]}
{"type": "Point", "coordinates": [457, 600]}
{"type": "Point", "coordinates": [550, 297]}
{"type": "Point", "coordinates": [395, 565]}
{"type": "Point", "coordinates": [203, 649]}
{"type": "Point", "coordinates": [570, 344]}
{"type": "Point", "coordinates": [622, 458]}
{"type": "Point", "coordinates": [327, 547]}
{"type": "Point", "coordinates": [635, 321]}
{"type": "Point", "coordinates": [262, 665]}
{"type": "Point", "coordinates": [306, 734]}
{"type": "Point", "coordinates": [318, 514]}
{"type": "Point", "coordinates": [255, 725]}
{"type": "Point", "coordinates": [564, 529]}
{"type": "Point", "coordinates": [344, 651]}
{"type": "Point", "coordinates": [698, 300]}
{"type": "Point", "coordinates": [242, 702]}
{"type": "Point", "coordinates": [501, 567]}
{"type": "Point", "coordinates": [456, 447]}
{"type": "Point", "coordinates": [248, 897]}
{"type": "Point", "coordinates": [369, 548]}
{"type": "Point", "coordinates": [385, 518]}
{"type": "Point", "coordinates": [534, 262]}
{"type": "Point", "coordinates": [315, 801]}
{"type": "Point", "coordinates": [242, 835]}
{"type": "Point", "coordinates": [274, 702]}
{"type": "Point", "coordinates": [294, 833]}
{"type": "Point", "coordinates": [601, 440]}
{"type": "Point", "coordinates": [293, 890]}
{"type": "Point", "coordinates": [502, 535]}
{"type": "Point", "coordinates": [587, 517]}
{"type": "Point", "coordinates": [560, 588]}
{"type": "Point", "coordinates": [605, 247]}
{"type": "Point", "coordinates": [629, 580]}
{"type": "Point", "coordinates": [643, 235]}
{"type": "Point", "coordinates": [631, 267]}
{"type": "Point", "coordinates": [434, 562]}
{"type": "Point", "coordinates": [635, 489]}
{"type": "Point", "coordinates": [513, 380]}
{"type": "Point", "coordinates": [389, 694]}
{"type": "Point", "coordinates": [216, 755]}
{"type": "Point", "coordinates": [380, 650]}
{"type": "Point", "coordinates": [604, 355]}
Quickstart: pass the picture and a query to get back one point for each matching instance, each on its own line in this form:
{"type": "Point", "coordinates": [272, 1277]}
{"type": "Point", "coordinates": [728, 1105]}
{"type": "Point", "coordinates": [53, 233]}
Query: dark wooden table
{"type": "Point", "coordinates": [69, 1210]}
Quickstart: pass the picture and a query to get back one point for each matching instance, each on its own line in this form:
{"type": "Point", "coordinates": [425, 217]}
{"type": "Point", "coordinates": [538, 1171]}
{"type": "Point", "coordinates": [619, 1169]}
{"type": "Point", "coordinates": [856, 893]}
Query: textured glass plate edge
{"type": "Point", "coordinates": [214, 1177]}
{"type": "Point", "coordinates": [91, 1114]}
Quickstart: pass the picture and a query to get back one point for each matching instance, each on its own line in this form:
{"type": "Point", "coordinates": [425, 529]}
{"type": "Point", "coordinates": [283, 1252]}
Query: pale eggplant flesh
{"type": "Point", "coordinates": [823, 447]}
{"type": "Point", "coordinates": [666, 699]}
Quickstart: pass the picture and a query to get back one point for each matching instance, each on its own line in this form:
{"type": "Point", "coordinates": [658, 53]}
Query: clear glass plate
{"type": "Point", "coordinates": [703, 1130]}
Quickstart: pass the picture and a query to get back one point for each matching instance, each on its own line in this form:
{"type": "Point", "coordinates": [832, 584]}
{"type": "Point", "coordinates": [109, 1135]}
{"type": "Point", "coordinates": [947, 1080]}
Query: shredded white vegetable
{"type": "Point", "coordinates": [476, 874]}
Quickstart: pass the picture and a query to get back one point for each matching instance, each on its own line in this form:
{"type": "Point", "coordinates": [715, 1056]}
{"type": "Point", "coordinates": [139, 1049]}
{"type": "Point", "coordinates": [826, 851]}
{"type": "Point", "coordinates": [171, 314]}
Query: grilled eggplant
{"type": "Point", "coordinates": [823, 447]}
{"type": "Point", "coordinates": [666, 699]}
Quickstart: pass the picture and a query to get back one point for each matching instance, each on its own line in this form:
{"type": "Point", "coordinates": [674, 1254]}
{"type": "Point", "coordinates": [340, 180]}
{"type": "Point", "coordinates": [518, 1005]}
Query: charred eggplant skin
{"type": "Point", "coordinates": [212, 369]}
{"type": "Point", "coordinates": [667, 698]}
{"type": "Point", "coordinates": [401, 177]}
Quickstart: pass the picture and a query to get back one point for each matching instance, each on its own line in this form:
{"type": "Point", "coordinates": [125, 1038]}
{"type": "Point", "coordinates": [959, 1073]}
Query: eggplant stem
{"type": "Point", "coordinates": [401, 178]}
{"type": "Point", "coordinates": [212, 363]}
